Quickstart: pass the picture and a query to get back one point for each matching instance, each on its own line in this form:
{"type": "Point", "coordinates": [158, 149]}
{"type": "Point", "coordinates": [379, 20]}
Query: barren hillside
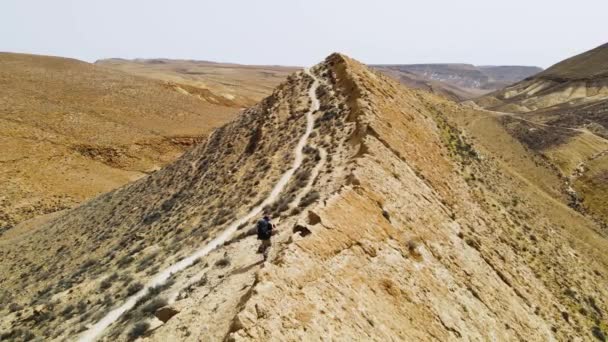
{"type": "Point", "coordinates": [404, 221]}
{"type": "Point", "coordinates": [70, 130]}
{"type": "Point", "coordinates": [562, 114]}
{"type": "Point", "coordinates": [243, 84]}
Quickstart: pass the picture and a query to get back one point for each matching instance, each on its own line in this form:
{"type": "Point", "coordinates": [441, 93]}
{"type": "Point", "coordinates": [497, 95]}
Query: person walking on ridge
{"type": "Point", "coordinates": [265, 228]}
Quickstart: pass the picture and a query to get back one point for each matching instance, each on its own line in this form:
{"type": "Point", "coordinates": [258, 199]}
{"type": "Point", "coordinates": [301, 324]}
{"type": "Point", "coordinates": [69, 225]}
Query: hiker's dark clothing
{"type": "Point", "coordinates": [264, 230]}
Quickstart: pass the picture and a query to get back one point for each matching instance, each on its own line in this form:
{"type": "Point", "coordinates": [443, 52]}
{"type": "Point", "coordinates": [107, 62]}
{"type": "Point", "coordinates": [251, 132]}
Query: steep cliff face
{"type": "Point", "coordinates": [399, 224]}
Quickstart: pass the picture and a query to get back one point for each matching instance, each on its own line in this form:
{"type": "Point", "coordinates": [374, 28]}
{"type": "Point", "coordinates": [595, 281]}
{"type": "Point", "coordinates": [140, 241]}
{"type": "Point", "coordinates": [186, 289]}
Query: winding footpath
{"type": "Point", "coordinates": [160, 278]}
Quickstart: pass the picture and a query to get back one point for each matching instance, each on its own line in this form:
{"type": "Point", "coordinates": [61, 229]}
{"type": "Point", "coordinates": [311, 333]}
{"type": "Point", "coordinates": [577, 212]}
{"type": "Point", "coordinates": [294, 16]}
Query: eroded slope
{"type": "Point", "coordinates": [562, 114]}
{"type": "Point", "coordinates": [71, 130]}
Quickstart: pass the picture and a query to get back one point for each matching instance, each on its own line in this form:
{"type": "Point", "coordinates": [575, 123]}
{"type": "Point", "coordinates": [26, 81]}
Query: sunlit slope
{"type": "Point", "coordinates": [71, 130]}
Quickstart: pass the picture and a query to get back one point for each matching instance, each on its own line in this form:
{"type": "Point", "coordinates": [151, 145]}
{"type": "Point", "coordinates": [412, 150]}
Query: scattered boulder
{"type": "Point", "coordinates": [386, 215]}
{"type": "Point", "coordinates": [313, 218]}
{"type": "Point", "coordinates": [165, 313]}
{"type": "Point", "coordinates": [303, 230]}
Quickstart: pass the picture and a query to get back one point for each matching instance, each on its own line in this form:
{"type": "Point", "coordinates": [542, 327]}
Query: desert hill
{"type": "Point", "coordinates": [562, 113]}
{"type": "Point", "coordinates": [72, 130]}
{"type": "Point", "coordinates": [587, 65]}
{"type": "Point", "coordinates": [401, 215]}
{"type": "Point", "coordinates": [576, 81]}
{"type": "Point", "coordinates": [458, 81]}
{"type": "Point", "coordinates": [243, 84]}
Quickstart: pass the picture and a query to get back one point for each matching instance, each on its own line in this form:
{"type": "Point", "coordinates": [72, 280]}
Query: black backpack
{"type": "Point", "coordinates": [264, 229]}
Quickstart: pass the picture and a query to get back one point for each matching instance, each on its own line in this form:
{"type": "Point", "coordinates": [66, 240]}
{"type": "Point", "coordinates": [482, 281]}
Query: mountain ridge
{"type": "Point", "coordinates": [412, 230]}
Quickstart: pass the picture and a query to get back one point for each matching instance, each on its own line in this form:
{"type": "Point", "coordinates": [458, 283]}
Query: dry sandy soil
{"type": "Point", "coordinates": [70, 130]}
{"type": "Point", "coordinates": [427, 220]}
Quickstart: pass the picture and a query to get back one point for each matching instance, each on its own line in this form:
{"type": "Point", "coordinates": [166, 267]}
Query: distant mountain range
{"type": "Point", "coordinates": [458, 81]}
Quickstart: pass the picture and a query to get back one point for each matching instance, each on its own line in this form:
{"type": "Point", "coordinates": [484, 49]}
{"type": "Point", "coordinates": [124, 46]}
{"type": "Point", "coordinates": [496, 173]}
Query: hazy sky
{"type": "Point", "coordinates": [529, 32]}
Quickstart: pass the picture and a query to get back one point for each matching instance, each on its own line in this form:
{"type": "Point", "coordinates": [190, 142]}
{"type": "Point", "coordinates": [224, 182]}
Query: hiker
{"type": "Point", "coordinates": [265, 228]}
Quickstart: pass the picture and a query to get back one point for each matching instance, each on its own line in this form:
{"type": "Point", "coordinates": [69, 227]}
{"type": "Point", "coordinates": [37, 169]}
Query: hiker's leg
{"type": "Point", "coordinates": [266, 248]}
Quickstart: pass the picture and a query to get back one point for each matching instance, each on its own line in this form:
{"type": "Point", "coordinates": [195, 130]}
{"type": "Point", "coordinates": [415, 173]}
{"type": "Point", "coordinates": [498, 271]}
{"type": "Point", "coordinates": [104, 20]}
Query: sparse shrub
{"type": "Point", "coordinates": [168, 204]}
{"type": "Point", "coordinates": [196, 262]}
{"type": "Point", "coordinates": [223, 262]}
{"type": "Point", "coordinates": [138, 330]}
{"type": "Point", "coordinates": [88, 264]}
{"type": "Point", "coordinates": [473, 243]}
{"type": "Point", "coordinates": [222, 217]}
{"type": "Point", "coordinates": [63, 284]}
{"type": "Point", "coordinates": [106, 301]}
{"type": "Point", "coordinates": [154, 291]}
{"type": "Point", "coordinates": [309, 199]}
{"type": "Point", "coordinates": [597, 333]}
{"type": "Point", "coordinates": [42, 317]}
{"type": "Point", "coordinates": [134, 288]}
{"type": "Point", "coordinates": [105, 284]}
{"type": "Point", "coordinates": [153, 305]}
{"type": "Point", "coordinates": [126, 279]}
{"type": "Point", "coordinates": [202, 281]}
{"type": "Point", "coordinates": [17, 335]}
{"type": "Point", "coordinates": [13, 307]}
{"type": "Point", "coordinates": [282, 205]}
{"type": "Point", "coordinates": [146, 262]}
{"type": "Point", "coordinates": [125, 261]}
{"type": "Point", "coordinates": [68, 311]}
{"type": "Point", "coordinates": [153, 270]}
{"type": "Point", "coordinates": [302, 178]}
{"type": "Point", "coordinates": [151, 218]}
{"type": "Point", "coordinates": [81, 307]}
{"type": "Point", "coordinates": [136, 249]}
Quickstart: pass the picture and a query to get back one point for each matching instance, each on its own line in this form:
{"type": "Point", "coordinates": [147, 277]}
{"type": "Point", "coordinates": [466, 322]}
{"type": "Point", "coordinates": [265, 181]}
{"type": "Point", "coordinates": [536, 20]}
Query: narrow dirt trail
{"type": "Point", "coordinates": [160, 278]}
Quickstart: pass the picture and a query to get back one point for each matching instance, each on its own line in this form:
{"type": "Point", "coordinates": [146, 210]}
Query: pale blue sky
{"type": "Point", "coordinates": [291, 32]}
